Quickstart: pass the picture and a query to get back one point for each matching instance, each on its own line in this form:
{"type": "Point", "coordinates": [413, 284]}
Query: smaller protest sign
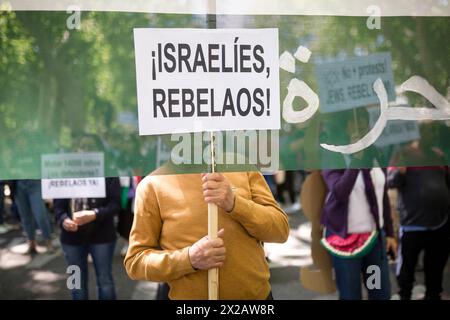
{"type": "Point", "coordinates": [73, 188]}
{"type": "Point", "coordinates": [349, 83]}
{"type": "Point", "coordinates": [73, 175]}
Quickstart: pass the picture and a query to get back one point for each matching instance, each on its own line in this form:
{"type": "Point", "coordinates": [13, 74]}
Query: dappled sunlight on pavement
{"type": "Point", "coordinates": [43, 275]}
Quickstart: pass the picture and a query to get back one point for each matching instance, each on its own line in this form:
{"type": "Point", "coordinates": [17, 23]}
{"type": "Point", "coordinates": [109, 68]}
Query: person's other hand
{"type": "Point", "coordinates": [84, 217]}
{"type": "Point", "coordinates": [391, 246]}
{"type": "Point", "coordinates": [217, 190]}
{"type": "Point", "coordinates": [69, 225]}
{"type": "Point", "coordinates": [208, 253]}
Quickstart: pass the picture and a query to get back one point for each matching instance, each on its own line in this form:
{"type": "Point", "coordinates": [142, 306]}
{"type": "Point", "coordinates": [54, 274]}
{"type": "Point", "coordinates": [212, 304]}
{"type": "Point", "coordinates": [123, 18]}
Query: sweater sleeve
{"type": "Point", "coordinates": [61, 208]}
{"type": "Point", "coordinates": [340, 182]}
{"type": "Point", "coordinates": [144, 259]}
{"type": "Point", "coordinates": [261, 216]}
{"type": "Point", "coordinates": [113, 199]}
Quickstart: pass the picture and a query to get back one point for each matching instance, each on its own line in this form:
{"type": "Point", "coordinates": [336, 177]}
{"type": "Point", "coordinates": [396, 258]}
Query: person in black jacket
{"type": "Point", "coordinates": [424, 207]}
{"type": "Point", "coordinates": [87, 227]}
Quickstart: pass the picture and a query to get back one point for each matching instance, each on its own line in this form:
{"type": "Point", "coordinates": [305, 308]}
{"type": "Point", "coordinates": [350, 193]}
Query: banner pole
{"type": "Point", "coordinates": [213, 225]}
{"type": "Point", "coordinates": [213, 222]}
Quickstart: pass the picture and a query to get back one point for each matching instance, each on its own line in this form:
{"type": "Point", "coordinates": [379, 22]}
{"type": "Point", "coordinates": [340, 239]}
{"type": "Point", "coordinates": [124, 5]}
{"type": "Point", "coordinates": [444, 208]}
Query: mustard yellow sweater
{"type": "Point", "coordinates": [171, 215]}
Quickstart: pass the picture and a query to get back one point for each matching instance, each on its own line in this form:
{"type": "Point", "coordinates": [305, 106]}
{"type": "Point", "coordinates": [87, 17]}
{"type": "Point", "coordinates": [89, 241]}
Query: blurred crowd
{"type": "Point", "coordinates": [409, 206]}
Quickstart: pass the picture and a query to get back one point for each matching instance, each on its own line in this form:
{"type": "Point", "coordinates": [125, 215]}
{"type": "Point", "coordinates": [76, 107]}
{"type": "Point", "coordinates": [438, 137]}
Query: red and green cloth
{"type": "Point", "coordinates": [354, 246]}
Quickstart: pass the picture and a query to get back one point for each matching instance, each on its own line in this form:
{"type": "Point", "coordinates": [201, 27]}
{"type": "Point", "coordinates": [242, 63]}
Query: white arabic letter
{"type": "Point", "coordinates": [374, 133]}
{"type": "Point", "coordinates": [298, 88]}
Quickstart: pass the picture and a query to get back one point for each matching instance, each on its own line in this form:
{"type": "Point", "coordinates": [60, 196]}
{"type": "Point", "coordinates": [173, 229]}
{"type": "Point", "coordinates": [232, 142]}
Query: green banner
{"type": "Point", "coordinates": [351, 94]}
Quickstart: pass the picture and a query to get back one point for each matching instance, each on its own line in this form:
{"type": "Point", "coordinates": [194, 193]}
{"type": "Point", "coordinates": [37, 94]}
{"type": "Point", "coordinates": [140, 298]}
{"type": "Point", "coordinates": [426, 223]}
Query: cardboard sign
{"type": "Point", "coordinates": [58, 171]}
{"type": "Point", "coordinates": [349, 83]}
{"type": "Point", "coordinates": [193, 80]}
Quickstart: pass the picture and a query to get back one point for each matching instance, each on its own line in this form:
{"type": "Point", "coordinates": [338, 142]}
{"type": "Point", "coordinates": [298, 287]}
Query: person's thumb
{"type": "Point", "coordinates": [221, 233]}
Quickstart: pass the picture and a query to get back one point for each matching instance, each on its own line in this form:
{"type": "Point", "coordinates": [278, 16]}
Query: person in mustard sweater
{"type": "Point", "coordinates": [169, 243]}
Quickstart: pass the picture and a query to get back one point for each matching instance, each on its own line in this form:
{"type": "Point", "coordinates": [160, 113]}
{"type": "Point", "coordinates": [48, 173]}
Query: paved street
{"type": "Point", "coordinates": [44, 277]}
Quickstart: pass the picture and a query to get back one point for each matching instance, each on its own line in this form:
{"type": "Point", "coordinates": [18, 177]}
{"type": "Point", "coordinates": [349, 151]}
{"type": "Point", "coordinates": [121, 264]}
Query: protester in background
{"type": "Point", "coordinates": [87, 227]}
{"type": "Point", "coordinates": [162, 293]}
{"type": "Point", "coordinates": [168, 241]}
{"type": "Point", "coordinates": [357, 203]}
{"type": "Point", "coordinates": [270, 180]}
{"type": "Point", "coordinates": [286, 183]}
{"type": "Point", "coordinates": [32, 209]}
{"type": "Point", "coordinates": [424, 207]}
{"type": "Point", "coordinates": [127, 193]}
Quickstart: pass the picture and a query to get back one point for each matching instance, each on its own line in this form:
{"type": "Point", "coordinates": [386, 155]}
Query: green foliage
{"type": "Point", "coordinates": [56, 83]}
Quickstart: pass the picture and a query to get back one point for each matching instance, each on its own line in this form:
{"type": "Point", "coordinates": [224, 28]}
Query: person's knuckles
{"type": "Point", "coordinates": [209, 252]}
{"type": "Point", "coordinates": [217, 252]}
{"type": "Point", "coordinates": [210, 193]}
{"type": "Point", "coordinates": [212, 176]}
{"type": "Point", "coordinates": [210, 246]}
{"type": "Point", "coordinates": [215, 177]}
{"type": "Point", "coordinates": [219, 259]}
{"type": "Point", "coordinates": [203, 255]}
{"type": "Point", "coordinates": [205, 246]}
{"type": "Point", "coordinates": [217, 242]}
{"type": "Point", "coordinates": [210, 185]}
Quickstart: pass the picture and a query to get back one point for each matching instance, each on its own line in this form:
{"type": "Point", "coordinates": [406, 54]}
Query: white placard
{"type": "Point", "coordinates": [191, 80]}
{"type": "Point", "coordinates": [72, 165]}
{"type": "Point", "coordinates": [73, 188]}
{"type": "Point", "coordinates": [349, 83]}
{"type": "Point", "coordinates": [73, 175]}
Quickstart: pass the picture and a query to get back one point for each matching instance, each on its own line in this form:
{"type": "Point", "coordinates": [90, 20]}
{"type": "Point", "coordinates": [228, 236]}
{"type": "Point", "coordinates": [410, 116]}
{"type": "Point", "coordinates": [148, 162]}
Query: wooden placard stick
{"type": "Point", "coordinates": [213, 220]}
{"type": "Point", "coordinates": [213, 225]}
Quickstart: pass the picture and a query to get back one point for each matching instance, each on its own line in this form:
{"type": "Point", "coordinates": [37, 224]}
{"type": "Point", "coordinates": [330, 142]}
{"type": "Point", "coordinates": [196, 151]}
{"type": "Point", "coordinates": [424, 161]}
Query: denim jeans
{"type": "Point", "coordinates": [31, 208]}
{"type": "Point", "coordinates": [102, 256]}
{"type": "Point", "coordinates": [349, 272]}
